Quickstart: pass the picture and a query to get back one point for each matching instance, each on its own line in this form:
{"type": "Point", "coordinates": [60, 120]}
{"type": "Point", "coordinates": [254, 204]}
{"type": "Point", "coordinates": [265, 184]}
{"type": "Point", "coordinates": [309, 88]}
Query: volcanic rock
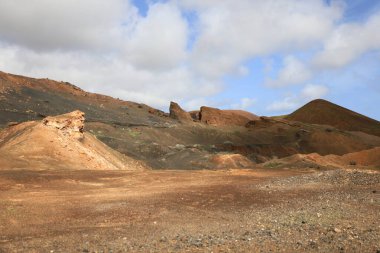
{"type": "Point", "coordinates": [217, 117]}
{"type": "Point", "coordinates": [59, 143]}
{"type": "Point", "coordinates": [176, 112]}
{"type": "Point", "coordinates": [70, 123]}
{"type": "Point", "coordinates": [195, 115]}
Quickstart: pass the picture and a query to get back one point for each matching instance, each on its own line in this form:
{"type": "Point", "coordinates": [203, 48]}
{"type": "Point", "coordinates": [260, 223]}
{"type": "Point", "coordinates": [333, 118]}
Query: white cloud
{"type": "Point", "coordinates": [244, 103]}
{"type": "Point", "coordinates": [288, 103]}
{"type": "Point", "coordinates": [230, 33]}
{"type": "Point", "coordinates": [293, 101]}
{"type": "Point", "coordinates": [70, 24]}
{"type": "Point", "coordinates": [312, 91]}
{"type": "Point", "coordinates": [293, 72]}
{"type": "Point", "coordinates": [159, 41]}
{"type": "Point", "coordinates": [348, 42]}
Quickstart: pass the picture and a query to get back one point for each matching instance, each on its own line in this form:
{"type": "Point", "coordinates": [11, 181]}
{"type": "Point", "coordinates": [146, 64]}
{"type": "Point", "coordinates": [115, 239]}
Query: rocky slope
{"type": "Point", "coordinates": [188, 140]}
{"type": "Point", "coordinates": [59, 143]}
{"type": "Point", "coordinates": [217, 117]}
{"type": "Point", "coordinates": [326, 113]}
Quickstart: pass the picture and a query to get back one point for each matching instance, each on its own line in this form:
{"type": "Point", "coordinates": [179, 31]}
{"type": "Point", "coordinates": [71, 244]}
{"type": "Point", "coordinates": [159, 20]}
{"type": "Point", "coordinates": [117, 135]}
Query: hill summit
{"type": "Point", "coordinates": [323, 112]}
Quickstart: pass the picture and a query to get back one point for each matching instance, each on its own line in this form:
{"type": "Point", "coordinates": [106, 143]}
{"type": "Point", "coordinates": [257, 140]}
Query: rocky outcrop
{"type": "Point", "coordinates": [194, 115]}
{"type": "Point", "coordinates": [217, 117]}
{"type": "Point", "coordinates": [70, 123]}
{"type": "Point", "coordinates": [59, 142]}
{"type": "Point", "coordinates": [176, 112]}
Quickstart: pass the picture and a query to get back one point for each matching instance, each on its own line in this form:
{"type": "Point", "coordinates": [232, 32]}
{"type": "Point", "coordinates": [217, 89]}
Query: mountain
{"type": "Point", "coordinates": [326, 113]}
{"type": "Point", "coordinates": [211, 138]}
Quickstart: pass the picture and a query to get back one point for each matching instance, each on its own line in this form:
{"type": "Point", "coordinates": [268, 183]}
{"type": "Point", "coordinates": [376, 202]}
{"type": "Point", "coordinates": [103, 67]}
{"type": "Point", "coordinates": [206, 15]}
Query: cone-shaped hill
{"type": "Point", "coordinates": [326, 113]}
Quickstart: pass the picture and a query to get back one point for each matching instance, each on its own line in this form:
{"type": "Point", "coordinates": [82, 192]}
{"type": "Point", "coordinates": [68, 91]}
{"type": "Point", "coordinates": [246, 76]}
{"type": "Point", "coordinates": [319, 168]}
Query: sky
{"type": "Point", "coordinates": [267, 57]}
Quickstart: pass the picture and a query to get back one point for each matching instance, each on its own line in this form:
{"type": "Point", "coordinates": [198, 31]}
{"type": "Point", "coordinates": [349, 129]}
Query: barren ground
{"type": "Point", "coordinates": [259, 210]}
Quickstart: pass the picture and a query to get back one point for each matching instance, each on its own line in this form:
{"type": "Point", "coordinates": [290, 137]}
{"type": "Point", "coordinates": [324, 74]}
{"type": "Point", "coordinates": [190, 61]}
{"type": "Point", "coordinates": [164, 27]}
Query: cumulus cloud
{"type": "Point", "coordinates": [288, 103]}
{"type": "Point", "coordinates": [69, 24]}
{"type": "Point", "coordinates": [230, 33]}
{"type": "Point", "coordinates": [244, 103]}
{"type": "Point", "coordinates": [312, 91]}
{"type": "Point", "coordinates": [293, 72]}
{"type": "Point", "coordinates": [292, 101]}
{"type": "Point", "coordinates": [348, 42]}
{"type": "Point", "coordinates": [159, 41]}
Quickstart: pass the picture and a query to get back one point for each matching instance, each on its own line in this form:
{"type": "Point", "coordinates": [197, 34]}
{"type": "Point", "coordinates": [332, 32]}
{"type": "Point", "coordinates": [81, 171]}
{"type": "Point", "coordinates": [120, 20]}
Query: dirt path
{"type": "Point", "coordinates": [189, 211]}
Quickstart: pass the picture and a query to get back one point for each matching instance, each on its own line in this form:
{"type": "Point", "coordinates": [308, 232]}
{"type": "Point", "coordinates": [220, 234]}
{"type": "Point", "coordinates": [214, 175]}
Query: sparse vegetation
{"type": "Point", "coordinates": [133, 133]}
{"type": "Point", "coordinates": [272, 164]}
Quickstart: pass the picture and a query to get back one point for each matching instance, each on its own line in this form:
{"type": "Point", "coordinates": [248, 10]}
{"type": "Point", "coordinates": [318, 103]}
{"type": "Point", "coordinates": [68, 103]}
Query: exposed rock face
{"type": "Point", "coordinates": [59, 143]}
{"type": "Point", "coordinates": [214, 116]}
{"type": "Point", "coordinates": [176, 112]}
{"type": "Point", "coordinates": [70, 123]}
{"type": "Point", "coordinates": [195, 115]}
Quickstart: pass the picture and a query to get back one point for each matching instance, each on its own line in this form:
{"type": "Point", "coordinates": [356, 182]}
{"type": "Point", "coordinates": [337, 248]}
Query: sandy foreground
{"type": "Point", "coordinates": [258, 210]}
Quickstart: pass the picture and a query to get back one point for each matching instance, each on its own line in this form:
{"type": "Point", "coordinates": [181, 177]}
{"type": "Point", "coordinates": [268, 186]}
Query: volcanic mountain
{"type": "Point", "coordinates": [323, 112]}
{"type": "Point", "coordinates": [207, 139]}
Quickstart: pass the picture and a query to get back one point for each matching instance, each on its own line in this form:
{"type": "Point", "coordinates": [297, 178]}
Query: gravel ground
{"type": "Point", "coordinates": [329, 211]}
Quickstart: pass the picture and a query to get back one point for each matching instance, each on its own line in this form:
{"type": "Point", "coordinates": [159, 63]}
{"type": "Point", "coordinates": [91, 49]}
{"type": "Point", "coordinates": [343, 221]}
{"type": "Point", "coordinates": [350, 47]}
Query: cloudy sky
{"type": "Point", "coordinates": [268, 57]}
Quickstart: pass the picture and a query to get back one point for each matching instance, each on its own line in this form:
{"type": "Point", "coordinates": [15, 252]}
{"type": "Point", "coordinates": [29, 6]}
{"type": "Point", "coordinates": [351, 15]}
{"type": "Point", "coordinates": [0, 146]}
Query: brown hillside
{"type": "Point", "coordinates": [326, 113]}
{"type": "Point", "coordinates": [58, 143]}
{"type": "Point", "coordinates": [217, 117]}
{"type": "Point", "coordinates": [26, 99]}
{"type": "Point", "coordinates": [149, 135]}
{"type": "Point", "coordinates": [369, 158]}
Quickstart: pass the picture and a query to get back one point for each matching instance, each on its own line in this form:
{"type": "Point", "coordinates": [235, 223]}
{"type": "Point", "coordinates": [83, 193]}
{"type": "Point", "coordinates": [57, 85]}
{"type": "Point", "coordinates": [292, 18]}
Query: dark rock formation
{"type": "Point", "coordinates": [176, 112]}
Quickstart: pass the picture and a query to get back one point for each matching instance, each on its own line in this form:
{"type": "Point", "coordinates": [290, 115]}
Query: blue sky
{"type": "Point", "coordinates": [268, 57]}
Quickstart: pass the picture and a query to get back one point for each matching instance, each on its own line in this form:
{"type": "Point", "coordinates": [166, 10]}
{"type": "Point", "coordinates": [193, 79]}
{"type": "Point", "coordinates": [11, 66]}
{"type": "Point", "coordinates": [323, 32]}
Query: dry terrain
{"type": "Point", "coordinates": [83, 172]}
{"type": "Point", "coordinates": [253, 210]}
